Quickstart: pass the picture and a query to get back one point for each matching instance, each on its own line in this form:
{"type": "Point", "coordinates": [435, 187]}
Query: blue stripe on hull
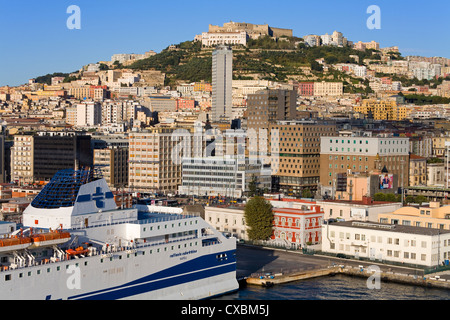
{"type": "Point", "coordinates": [197, 269]}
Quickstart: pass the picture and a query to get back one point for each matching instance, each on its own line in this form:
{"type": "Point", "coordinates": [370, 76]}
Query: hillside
{"type": "Point", "coordinates": [264, 58]}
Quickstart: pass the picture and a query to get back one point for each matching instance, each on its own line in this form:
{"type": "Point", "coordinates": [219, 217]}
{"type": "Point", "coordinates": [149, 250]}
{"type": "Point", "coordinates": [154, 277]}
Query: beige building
{"type": "Point", "coordinates": [295, 153]}
{"type": "Point", "coordinates": [80, 92]}
{"type": "Point", "coordinates": [71, 115]}
{"type": "Point", "coordinates": [432, 215]}
{"type": "Point", "coordinates": [155, 157]}
{"type": "Point", "coordinates": [228, 220]}
{"type": "Point", "coordinates": [363, 210]}
{"type": "Point", "coordinates": [267, 106]}
{"type": "Point", "coordinates": [360, 152]}
{"type": "Point", "coordinates": [417, 170]}
{"type": "Point", "coordinates": [356, 186]}
{"type": "Point", "coordinates": [439, 147]}
{"type": "Point", "coordinates": [328, 88]}
{"type": "Point", "coordinates": [435, 175]}
{"type": "Point", "coordinates": [253, 30]}
{"type": "Point", "coordinates": [113, 162]}
{"type": "Point", "coordinates": [22, 159]}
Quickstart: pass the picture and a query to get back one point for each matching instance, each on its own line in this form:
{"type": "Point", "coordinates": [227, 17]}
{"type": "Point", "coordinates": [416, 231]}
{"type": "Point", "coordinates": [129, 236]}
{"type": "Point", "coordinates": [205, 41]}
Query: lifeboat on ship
{"type": "Point", "coordinates": [15, 243]}
{"type": "Point", "coordinates": [50, 238]}
{"type": "Point", "coordinates": [77, 251]}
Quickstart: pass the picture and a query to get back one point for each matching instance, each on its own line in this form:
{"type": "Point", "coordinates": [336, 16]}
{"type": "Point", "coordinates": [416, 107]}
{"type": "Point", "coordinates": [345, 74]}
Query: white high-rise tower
{"type": "Point", "coordinates": [222, 77]}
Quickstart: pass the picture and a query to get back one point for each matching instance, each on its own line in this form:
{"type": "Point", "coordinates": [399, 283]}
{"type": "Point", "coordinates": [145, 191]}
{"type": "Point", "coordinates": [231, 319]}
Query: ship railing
{"type": "Point", "coordinates": [152, 244]}
{"type": "Point", "coordinates": [96, 225]}
{"type": "Point", "coordinates": [167, 217]}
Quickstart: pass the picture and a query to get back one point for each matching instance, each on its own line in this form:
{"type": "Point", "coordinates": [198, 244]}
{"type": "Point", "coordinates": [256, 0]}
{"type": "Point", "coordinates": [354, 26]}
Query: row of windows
{"type": "Point", "coordinates": [367, 141]}
{"type": "Point", "coordinates": [58, 268]}
{"type": "Point", "coordinates": [389, 253]}
{"type": "Point", "coordinates": [415, 223]}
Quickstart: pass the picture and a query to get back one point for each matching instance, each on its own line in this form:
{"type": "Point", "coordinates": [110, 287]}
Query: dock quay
{"type": "Point", "coordinates": [269, 279]}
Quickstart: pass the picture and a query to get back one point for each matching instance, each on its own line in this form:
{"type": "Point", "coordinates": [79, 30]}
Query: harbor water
{"type": "Point", "coordinates": [338, 287]}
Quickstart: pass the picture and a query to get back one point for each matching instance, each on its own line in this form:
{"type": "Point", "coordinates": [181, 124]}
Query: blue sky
{"type": "Point", "coordinates": [35, 39]}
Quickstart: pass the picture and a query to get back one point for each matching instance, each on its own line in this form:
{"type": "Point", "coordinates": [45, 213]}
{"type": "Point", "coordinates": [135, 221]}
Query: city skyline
{"type": "Point", "coordinates": [38, 42]}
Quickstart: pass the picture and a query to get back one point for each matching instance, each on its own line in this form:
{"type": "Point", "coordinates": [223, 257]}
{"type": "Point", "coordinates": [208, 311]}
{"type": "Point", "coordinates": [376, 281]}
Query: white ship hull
{"type": "Point", "coordinates": [113, 254]}
{"type": "Point", "coordinates": [194, 272]}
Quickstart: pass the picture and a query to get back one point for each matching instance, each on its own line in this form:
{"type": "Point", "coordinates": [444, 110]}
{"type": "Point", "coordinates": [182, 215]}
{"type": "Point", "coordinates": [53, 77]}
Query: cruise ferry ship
{"type": "Point", "coordinates": [77, 244]}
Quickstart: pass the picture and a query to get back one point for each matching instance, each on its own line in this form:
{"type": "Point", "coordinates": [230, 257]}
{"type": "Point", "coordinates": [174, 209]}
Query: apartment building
{"type": "Point", "coordinates": [267, 106]}
{"type": "Point", "coordinates": [22, 159]}
{"type": "Point", "coordinates": [324, 89]}
{"type": "Point", "coordinates": [39, 157]}
{"type": "Point", "coordinates": [387, 242]}
{"type": "Point", "coordinates": [382, 109]}
{"type": "Point", "coordinates": [80, 92]}
{"type": "Point", "coordinates": [54, 151]}
{"type": "Point", "coordinates": [155, 157]}
{"type": "Point", "coordinates": [86, 114]}
{"type": "Point", "coordinates": [361, 152]}
{"type": "Point", "coordinates": [113, 162]}
{"type": "Point", "coordinates": [306, 88]}
{"type": "Point", "coordinates": [295, 154]}
{"type": "Point", "coordinates": [440, 145]}
{"type": "Point", "coordinates": [417, 170]}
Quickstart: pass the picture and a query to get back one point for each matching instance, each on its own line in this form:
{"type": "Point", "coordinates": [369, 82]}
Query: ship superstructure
{"type": "Point", "coordinates": [76, 244]}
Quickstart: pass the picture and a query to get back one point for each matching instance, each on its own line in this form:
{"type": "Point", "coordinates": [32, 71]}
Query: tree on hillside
{"type": "Point", "coordinates": [259, 218]}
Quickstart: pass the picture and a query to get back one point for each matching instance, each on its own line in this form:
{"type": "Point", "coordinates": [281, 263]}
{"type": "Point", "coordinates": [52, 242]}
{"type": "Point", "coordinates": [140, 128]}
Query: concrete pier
{"type": "Point", "coordinates": [278, 278]}
{"type": "Point", "coordinates": [410, 279]}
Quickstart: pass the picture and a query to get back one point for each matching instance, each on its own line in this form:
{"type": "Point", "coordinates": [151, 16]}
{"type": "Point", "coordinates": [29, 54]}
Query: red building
{"type": "Point", "coordinates": [386, 80]}
{"type": "Point", "coordinates": [185, 104]}
{"type": "Point", "coordinates": [98, 92]}
{"type": "Point", "coordinates": [298, 227]}
{"type": "Point", "coordinates": [306, 88]}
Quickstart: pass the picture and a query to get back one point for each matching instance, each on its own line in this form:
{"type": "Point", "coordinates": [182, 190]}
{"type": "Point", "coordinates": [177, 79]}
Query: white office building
{"type": "Point", "coordinates": [229, 220]}
{"type": "Point", "coordinates": [222, 175]}
{"type": "Point", "coordinates": [224, 38]}
{"type": "Point", "coordinates": [387, 242]}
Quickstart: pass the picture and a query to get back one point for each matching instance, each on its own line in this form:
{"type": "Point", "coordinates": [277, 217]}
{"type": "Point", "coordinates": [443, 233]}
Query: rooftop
{"type": "Point", "coordinates": [391, 227]}
{"type": "Point", "coordinates": [361, 202]}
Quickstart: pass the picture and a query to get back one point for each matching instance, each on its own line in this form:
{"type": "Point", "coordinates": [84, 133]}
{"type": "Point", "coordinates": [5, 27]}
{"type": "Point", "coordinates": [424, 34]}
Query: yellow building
{"type": "Point", "coordinates": [382, 109]}
{"type": "Point", "coordinates": [417, 170]}
{"type": "Point", "coordinates": [202, 86]}
{"type": "Point", "coordinates": [428, 216]}
{"type": "Point", "coordinates": [439, 148]}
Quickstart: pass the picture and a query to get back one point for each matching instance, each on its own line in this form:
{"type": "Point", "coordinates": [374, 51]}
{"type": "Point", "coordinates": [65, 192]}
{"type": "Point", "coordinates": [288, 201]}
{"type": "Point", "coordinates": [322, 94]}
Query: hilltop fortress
{"type": "Point", "coordinates": [254, 31]}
